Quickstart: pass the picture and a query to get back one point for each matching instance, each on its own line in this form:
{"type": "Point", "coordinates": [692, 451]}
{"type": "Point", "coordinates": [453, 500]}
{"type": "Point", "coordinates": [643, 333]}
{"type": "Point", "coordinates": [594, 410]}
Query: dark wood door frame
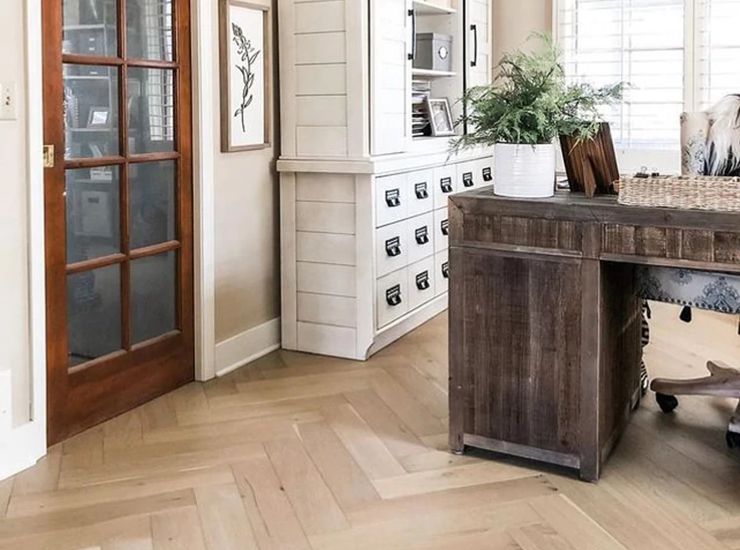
{"type": "Point", "coordinates": [83, 396]}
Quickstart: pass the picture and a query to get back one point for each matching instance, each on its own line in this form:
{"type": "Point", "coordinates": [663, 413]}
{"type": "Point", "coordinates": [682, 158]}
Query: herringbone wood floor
{"type": "Point", "coordinates": [298, 451]}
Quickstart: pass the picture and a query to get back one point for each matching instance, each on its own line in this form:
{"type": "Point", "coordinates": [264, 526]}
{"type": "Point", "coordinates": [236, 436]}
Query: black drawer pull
{"type": "Point", "coordinates": [393, 198]}
{"type": "Point", "coordinates": [393, 295]}
{"type": "Point", "coordinates": [487, 174]}
{"type": "Point", "coordinates": [446, 185]}
{"type": "Point", "coordinates": [446, 270]}
{"type": "Point", "coordinates": [421, 190]}
{"type": "Point", "coordinates": [422, 280]}
{"type": "Point", "coordinates": [468, 179]}
{"type": "Point", "coordinates": [422, 235]}
{"type": "Point", "coordinates": [444, 226]}
{"type": "Point", "coordinates": [393, 247]}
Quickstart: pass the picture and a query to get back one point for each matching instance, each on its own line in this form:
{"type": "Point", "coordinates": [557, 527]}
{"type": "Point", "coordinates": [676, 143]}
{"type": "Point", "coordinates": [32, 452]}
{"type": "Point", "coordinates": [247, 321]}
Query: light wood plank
{"type": "Point", "coordinates": [365, 447]}
{"type": "Point", "coordinates": [313, 502]}
{"type": "Point", "coordinates": [177, 530]}
{"type": "Point", "coordinates": [224, 519]}
{"type": "Point", "coordinates": [341, 473]}
{"type": "Point", "coordinates": [271, 515]}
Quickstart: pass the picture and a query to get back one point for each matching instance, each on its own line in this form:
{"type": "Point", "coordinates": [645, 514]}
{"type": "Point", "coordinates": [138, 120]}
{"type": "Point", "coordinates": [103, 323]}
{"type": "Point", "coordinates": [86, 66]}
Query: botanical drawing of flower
{"type": "Point", "coordinates": [248, 55]}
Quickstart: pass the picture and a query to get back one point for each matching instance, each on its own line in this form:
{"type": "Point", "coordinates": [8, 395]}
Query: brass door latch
{"type": "Point", "coordinates": [48, 156]}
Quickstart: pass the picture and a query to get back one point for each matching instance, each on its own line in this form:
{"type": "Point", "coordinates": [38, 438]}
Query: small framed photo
{"type": "Point", "coordinates": [99, 117]}
{"type": "Point", "coordinates": [440, 117]}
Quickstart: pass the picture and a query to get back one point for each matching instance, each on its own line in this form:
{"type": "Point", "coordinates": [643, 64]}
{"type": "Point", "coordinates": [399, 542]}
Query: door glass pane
{"type": "Point", "coordinates": [149, 29]}
{"type": "Point", "coordinates": [151, 106]}
{"type": "Point", "coordinates": [153, 296]}
{"type": "Point", "coordinates": [92, 203]}
{"type": "Point", "coordinates": [90, 27]}
{"type": "Point", "coordinates": [90, 111]}
{"type": "Point", "coordinates": [94, 313]}
{"type": "Point", "coordinates": [152, 203]}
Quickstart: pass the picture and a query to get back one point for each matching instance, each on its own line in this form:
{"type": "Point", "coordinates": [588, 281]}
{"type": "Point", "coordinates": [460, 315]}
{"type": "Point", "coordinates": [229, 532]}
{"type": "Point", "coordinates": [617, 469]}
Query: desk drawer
{"type": "Point", "coordinates": [419, 189]}
{"type": "Point", "coordinates": [392, 299]}
{"type": "Point", "coordinates": [421, 282]}
{"type": "Point", "coordinates": [420, 236]}
{"type": "Point", "coordinates": [391, 199]}
{"type": "Point", "coordinates": [699, 245]}
{"type": "Point", "coordinates": [392, 247]}
{"type": "Point", "coordinates": [441, 229]}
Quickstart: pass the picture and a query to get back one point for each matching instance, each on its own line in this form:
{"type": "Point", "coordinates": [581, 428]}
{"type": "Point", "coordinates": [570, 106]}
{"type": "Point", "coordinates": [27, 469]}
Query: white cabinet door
{"type": "Point", "coordinates": [478, 29]}
{"type": "Point", "coordinates": [390, 46]}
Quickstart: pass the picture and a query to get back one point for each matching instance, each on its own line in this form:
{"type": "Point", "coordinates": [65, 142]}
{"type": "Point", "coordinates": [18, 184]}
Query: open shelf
{"type": "Point", "coordinates": [428, 8]}
{"type": "Point", "coordinates": [431, 74]}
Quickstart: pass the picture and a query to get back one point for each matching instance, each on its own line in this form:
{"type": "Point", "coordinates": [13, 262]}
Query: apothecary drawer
{"type": "Point", "coordinates": [392, 299]}
{"type": "Point", "coordinates": [391, 199]}
{"type": "Point", "coordinates": [421, 283]}
{"type": "Point", "coordinates": [392, 247]}
{"type": "Point", "coordinates": [420, 236]}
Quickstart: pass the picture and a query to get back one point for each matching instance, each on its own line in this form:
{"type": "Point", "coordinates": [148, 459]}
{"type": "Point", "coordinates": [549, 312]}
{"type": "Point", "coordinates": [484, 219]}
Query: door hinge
{"type": "Point", "coordinates": [48, 156]}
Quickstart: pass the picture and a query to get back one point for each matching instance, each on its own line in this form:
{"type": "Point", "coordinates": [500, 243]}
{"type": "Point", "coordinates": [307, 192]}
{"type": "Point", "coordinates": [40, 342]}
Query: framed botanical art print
{"type": "Point", "coordinates": [440, 117]}
{"type": "Point", "coordinates": [245, 43]}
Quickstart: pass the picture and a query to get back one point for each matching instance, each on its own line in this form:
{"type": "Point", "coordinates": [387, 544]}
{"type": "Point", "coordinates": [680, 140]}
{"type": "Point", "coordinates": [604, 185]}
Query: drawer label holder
{"type": "Point", "coordinates": [487, 174]}
{"type": "Point", "coordinates": [393, 198]}
{"type": "Point", "coordinates": [421, 190]}
{"type": "Point", "coordinates": [446, 184]}
{"type": "Point", "coordinates": [422, 235]}
{"type": "Point", "coordinates": [393, 295]}
{"type": "Point", "coordinates": [467, 179]}
{"type": "Point", "coordinates": [444, 226]}
{"type": "Point", "coordinates": [393, 247]}
{"type": "Point", "coordinates": [422, 280]}
{"type": "Point", "coordinates": [446, 270]}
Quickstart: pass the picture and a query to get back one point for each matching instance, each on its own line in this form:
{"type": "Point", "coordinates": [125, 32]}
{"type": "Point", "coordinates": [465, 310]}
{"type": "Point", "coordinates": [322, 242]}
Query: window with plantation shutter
{"type": "Point", "coordinates": [718, 50]}
{"type": "Point", "coordinates": [639, 42]}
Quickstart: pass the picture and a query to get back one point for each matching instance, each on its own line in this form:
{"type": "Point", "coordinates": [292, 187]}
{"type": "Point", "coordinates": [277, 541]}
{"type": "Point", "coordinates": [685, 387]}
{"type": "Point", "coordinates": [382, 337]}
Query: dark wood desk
{"type": "Point", "coordinates": [545, 319]}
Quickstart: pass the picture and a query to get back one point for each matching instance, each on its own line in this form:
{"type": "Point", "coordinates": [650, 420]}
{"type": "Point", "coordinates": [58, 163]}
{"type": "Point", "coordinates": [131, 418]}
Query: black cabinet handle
{"type": "Point", "coordinates": [446, 270]}
{"type": "Point", "coordinates": [421, 190]}
{"type": "Point", "coordinates": [422, 235]}
{"type": "Point", "coordinates": [467, 179]}
{"type": "Point", "coordinates": [393, 198]}
{"type": "Point", "coordinates": [487, 174]}
{"type": "Point", "coordinates": [444, 226]}
{"type": "Point", "coordinates": [393, 296]}
{"type": "Point", "coordinates": [422, 280]}
{"type": "Point", "coordinates": [446, 185]}
{"type": "Point", "coordinates": [393, 247]}
{"type": "Point", "coordinates": [474, 62]}
{"type": "Point", "coordinates": [412, 15]}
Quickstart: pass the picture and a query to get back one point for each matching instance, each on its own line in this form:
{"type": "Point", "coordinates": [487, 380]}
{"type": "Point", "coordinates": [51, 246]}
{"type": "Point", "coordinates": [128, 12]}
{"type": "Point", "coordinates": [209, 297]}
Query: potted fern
{"type": "Point", "coordinates": [527, 106]}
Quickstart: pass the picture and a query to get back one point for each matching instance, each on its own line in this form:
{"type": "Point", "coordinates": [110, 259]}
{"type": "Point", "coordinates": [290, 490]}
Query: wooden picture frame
{"type": "Point", "coordinates": [245, 126]}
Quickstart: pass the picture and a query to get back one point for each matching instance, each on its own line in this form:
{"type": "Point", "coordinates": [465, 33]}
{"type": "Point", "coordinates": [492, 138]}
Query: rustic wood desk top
{"type": "Point", "coordinates": [692, 239]}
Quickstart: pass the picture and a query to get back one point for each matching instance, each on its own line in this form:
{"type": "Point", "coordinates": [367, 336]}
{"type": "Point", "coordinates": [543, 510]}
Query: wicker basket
{"type": "Point", "coordinates": [686, 192]}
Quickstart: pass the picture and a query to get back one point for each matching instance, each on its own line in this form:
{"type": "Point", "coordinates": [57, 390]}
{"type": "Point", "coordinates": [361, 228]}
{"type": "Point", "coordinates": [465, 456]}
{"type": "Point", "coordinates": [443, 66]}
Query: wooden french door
{"type": "Point", "coordinates": [118, 192]}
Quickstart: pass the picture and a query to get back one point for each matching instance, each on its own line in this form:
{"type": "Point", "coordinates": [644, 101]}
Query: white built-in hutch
{"type": "Point", "coordinates": [364, 199]}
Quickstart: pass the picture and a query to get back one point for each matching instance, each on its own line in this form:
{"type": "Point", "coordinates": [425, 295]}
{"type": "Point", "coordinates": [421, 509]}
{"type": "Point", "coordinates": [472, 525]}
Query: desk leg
{"type": "Point", "coordinates": [457, 397]}
{"type": "Point", "coordinates": [590, 366]}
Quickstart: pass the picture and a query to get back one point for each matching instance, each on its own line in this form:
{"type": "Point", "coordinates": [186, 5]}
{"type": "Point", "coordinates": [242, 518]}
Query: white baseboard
{"type": "Point", "coordinates": [21, 448]}
{"type": "Point", "coordinates": [248, 346]}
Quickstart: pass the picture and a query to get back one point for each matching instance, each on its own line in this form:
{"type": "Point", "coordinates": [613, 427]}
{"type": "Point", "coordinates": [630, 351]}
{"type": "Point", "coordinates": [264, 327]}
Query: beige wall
{"type": "Point", "coordinates": [247, 233]}
{"type": "Point", "coordinates": [515, 20]}
{"type": "Point", "coordinates": [14, 293]}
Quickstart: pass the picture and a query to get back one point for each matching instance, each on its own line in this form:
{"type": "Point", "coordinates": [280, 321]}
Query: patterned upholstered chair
{"type": "Point", "coordinates": [696, 289]}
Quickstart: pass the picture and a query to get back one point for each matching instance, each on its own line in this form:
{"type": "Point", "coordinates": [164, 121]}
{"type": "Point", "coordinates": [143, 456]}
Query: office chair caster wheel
{"type": "Point", "coordinates": [733, 439]}
{"type": "Point", "coordinates": [666, 402]}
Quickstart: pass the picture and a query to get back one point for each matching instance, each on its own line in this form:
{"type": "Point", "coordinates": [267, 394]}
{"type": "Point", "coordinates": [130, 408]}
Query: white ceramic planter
{"type": "Point", "coordinates": [524, 171]}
